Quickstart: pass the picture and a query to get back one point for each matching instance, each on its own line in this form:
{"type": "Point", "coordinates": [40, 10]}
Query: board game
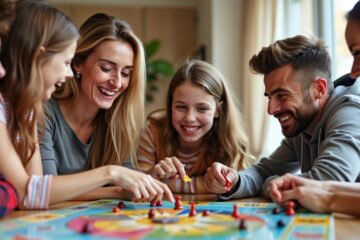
{"type": "Point", "coordinates": [212, 220]}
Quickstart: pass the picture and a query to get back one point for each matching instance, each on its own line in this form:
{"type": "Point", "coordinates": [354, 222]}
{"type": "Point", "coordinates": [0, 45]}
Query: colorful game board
{"type": "Point", "coordinates": [96, 220]}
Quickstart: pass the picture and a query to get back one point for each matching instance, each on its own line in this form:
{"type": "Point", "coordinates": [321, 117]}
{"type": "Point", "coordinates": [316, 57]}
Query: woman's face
{"type": "Point", "coordinates": [56, 69]}
{"type": "Point", "coordinates": [352, 36]}
{"type": "Point", "coordinates": [106, 73]}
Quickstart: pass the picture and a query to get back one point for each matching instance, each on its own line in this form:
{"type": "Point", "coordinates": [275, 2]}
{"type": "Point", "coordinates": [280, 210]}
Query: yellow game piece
{"type": "Point", "coordinates": [187, 179]}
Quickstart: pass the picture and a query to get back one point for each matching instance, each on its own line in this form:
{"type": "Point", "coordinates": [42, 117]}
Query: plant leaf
{"type": "Point", "coordinates": [162, 67]}
{"type": "Point", "coordinates": [151, 48]}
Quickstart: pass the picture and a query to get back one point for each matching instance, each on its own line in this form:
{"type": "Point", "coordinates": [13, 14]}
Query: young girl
{"type": "Point", "coordinates": [201, 125]}
{"type": "Point", "coordinates": [36, 55]}
{"type": "Point", "coordinates": [96, 117]}
{"type": "Point", "coordinates": [8, 195]}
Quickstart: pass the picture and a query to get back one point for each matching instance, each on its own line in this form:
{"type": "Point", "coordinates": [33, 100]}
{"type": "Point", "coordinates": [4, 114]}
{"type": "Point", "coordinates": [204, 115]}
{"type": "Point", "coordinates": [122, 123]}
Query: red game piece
{"type": "Point", "coordinates": [205, 213]}
{"type": "Point", "coordinates": [121, 205]}
{"type": "Point", "coordinates": [227, 182]}
{"type": "Point", "coordinates": [242, 225]}
{"type": "Point", "coordinates": [159, 203]}
{"type": "Point", "coordinates": [178, 203]}
{"type": "Point", "coordinates": [235, 213]}
{"type": "Point", "coordinates": [152, 204]}
{"type": "Point", "coordinates": [290, 208]}
{"type": "Point", "coordinates": [151, 213]}
{"type": "Point", "coordinates": [116, 209]}
{"type": "Point", "coordinates": [192, 212]}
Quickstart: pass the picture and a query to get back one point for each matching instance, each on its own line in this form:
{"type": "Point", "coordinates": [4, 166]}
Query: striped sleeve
{"type": "Point", "coordinates": [38, 192]}
{"type": "Point", "coordinates": [146, 151]}
{"type": "Point", "coordinates": [196, 186]}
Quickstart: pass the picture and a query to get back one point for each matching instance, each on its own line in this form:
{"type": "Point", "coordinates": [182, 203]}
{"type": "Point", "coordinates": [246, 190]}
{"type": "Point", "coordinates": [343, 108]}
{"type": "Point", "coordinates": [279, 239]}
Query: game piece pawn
{"type": "Point", "coordinates": [235, 213]}
{"type": "Point", "coordinates": [192, 212]}
{"type": "Point", "coordinates": [290, 208]}
{"type": "Point", "coordinates": [178, 203]}
{"type": "Point", "coordinates": [152, 204]}
{"type": "Point", "coordinates": [275, 210]}
{"type": "Point", "coordinates": [242, 224]}
{"type": "Point", "coordinates": [116, 209]}
{"type": "Point", "coordinates": [151, 214]}
{"type": "Point", "coordinates": [205, 213]}
{"type": "Point", "coordinates": [159, 203]}
{"type": "Point", "coordinates": [121, 205]}
{"type": "Point", "coordinates": [280, 223]}
{"type": "Point", "coordinates": [87, 228]}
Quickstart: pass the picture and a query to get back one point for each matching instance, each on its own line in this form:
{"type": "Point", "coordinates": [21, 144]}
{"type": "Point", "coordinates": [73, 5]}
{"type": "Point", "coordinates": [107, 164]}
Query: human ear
{"type": "Point", "coordinates": [320, 87]}
{"type": "Point", "coordinates": [218, 109]}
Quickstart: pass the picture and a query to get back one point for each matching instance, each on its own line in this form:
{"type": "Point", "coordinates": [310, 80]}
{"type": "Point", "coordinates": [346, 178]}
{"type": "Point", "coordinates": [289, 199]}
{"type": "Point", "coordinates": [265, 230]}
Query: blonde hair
{"type": "Point", "coordinates": [36, 25]}
{"type": "Point", "coordinates": [227, 142]}
{"type": "Point", "coordinates": [117, 130]}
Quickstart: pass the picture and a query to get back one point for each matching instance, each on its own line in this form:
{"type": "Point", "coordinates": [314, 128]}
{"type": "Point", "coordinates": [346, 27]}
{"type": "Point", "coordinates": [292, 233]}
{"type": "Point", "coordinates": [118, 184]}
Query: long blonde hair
{"type": "Point", "coordinates": [117, 130]}
{"type": "Point", "coordinates": [36, 25]}
{"type": "Point", "coordinates": [227, 141]}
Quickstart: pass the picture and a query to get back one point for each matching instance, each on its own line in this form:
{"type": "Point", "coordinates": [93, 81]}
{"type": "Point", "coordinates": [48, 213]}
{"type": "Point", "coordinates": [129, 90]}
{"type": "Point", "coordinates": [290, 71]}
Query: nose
{"type": "Point", "coordinates": [69, 72]}
{"type": "Point", "coordinates": [2, 71]}
{"type": "Point", "coordinates": [190, 115]}
{"type": "Point", "coordinates": [273, 107]}
{"type": "Point", "coordinates": [355, 69]}
{"type": "Point", "coordinates": [116, 81]}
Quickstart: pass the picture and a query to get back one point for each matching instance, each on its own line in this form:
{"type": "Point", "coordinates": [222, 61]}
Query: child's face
{"type": "Point", "coordinates": [193, 113]}
{"type": "Point", "coordinates": [56, 69]}
{"type": "Point", "coordinates": [106, 73]}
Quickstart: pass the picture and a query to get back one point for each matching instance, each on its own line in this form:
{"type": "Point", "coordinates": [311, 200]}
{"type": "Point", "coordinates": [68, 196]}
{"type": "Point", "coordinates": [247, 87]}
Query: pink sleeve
{"type": "Point", "coordinates": [38, 192]}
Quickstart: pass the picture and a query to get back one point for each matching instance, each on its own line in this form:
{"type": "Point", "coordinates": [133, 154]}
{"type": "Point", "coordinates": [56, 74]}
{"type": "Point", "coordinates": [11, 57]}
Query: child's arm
{"type": "Point", "coordinates": [67, 187]}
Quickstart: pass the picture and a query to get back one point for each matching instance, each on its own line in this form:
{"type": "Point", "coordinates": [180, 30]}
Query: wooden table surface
{"type": "Point", "coordinates": [346, 227]}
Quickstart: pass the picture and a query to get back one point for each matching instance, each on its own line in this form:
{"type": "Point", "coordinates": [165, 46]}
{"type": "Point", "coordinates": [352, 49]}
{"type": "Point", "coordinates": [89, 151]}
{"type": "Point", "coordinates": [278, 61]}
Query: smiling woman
{"type": "Point", "coordinates": [94, 119]}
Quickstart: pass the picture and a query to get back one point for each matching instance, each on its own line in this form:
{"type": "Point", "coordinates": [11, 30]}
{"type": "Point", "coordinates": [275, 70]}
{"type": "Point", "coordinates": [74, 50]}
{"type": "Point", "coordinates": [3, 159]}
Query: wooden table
{"type": "Point", "coordinates": [346, 227]}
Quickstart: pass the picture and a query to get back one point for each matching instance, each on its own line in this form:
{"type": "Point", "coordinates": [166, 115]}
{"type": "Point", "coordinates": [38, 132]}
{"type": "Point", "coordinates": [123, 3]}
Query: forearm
{"type": "Point", "coordinates": [68, 187]}
{"type": "Point", "coordinates": [101, 193]}
{"type": "Point", "coordinates": [335, 186]}
{"type": "Point", "coordinates": [344, 202]}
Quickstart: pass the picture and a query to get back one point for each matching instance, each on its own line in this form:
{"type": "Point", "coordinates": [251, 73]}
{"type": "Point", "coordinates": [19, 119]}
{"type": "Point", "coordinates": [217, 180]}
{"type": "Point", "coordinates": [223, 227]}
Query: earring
{"type": "Point", "coordinates": [77, 75]}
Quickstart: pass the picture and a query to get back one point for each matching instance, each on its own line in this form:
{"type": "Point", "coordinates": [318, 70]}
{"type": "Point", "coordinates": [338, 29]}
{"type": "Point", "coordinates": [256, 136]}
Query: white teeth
{"type": "Point", "coordinates": [59, 84]}
{"type": "Point", "coordinates": [190, 128]}
{"type": "Point", "coordinates": [284, 118]}
{"type": "Point", "coordinates": [107, 91]}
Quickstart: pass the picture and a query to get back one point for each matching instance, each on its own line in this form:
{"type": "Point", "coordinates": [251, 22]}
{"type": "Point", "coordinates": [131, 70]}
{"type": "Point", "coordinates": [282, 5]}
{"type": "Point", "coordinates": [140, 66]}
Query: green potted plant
{"type": "Point", "coordinates": [155, 68]}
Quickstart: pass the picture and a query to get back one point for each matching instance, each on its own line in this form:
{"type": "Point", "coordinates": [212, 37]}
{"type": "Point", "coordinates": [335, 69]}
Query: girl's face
{"type": "Point", "coordinates": [106, 73]}
{"type": "Point", "coordinates": [193, 113]}
{"type": "Point", "coordinates": [352, 36]}
{"type": "Point", "coordinates": [56, 69]}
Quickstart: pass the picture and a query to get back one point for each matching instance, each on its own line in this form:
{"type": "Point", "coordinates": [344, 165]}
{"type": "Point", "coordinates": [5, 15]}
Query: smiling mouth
{"type": "Point", "coordinates": [284, 118]}
{"type": "Point", "coordinates": [107, 92]}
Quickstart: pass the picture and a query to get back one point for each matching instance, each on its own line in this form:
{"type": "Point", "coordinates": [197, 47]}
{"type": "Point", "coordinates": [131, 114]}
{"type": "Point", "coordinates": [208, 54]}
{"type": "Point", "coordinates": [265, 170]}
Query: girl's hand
{"type": "Point", "coordinates": [168, 168]}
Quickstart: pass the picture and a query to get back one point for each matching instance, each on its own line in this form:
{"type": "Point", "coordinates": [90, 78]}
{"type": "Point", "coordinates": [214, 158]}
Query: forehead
{"type": "Point", "coordinates": [189, 91]}
{"type": "Point", "coordinates": [114, 50]}
{"type": "Point", "coordinates": [352, 33]}
{"type": "Point", "coordinates": [285, 78]}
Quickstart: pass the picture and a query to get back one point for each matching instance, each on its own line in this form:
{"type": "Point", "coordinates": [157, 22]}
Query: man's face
{"type": "Point", "coordinates": [294, 108]}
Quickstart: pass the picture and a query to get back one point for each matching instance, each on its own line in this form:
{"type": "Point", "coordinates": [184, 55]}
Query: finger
{"type": "Point", "coordinates": [274, 192]}
{"type": "Point", "coordinates": [171, 164]}
{"type": "Point", "coordinates": [218, 176]}
{"type": "Point", "coordinates": [179, 167]}
{"type": "Point", "coordinates": [167, 192]}
{"type": "Point", "coordinates": [169, 168]}
{"type": "Point", "coordinates": [144, 192]}
{"type": "Point", "coordinates": [159, 172]}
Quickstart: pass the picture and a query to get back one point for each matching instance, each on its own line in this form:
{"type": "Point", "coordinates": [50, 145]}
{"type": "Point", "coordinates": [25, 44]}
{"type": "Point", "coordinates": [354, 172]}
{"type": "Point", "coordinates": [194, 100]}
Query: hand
{"type": "Point", "coordinates": [311, 194]}
{"type": "Point", "coordinates": [141, 186]}
{"type": "Point", "coordinates": [215, 181]}
{"type": "Point", "coordinates": [168, 168]}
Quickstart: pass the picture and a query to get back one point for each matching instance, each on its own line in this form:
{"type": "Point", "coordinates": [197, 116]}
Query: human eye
{"type": "Point", "coordinates": [355, 53]}
{"type": "Point", "coordinates": [203, 109]}
{"type": "Point", "coordinates": [281, 96]}
{"type": "Point", "coordinates": [126, 73]}
{"type": "Point", "coordinates": [180, 107]}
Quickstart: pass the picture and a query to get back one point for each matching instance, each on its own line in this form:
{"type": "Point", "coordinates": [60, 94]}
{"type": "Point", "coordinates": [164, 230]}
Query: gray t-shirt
{"type": "Point", "coordinates": [62, 152]}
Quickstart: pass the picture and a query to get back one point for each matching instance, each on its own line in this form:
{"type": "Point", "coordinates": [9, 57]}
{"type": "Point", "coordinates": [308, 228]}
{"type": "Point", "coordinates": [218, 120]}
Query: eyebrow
{"type": "Point", "coordinates": [275, 91]}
